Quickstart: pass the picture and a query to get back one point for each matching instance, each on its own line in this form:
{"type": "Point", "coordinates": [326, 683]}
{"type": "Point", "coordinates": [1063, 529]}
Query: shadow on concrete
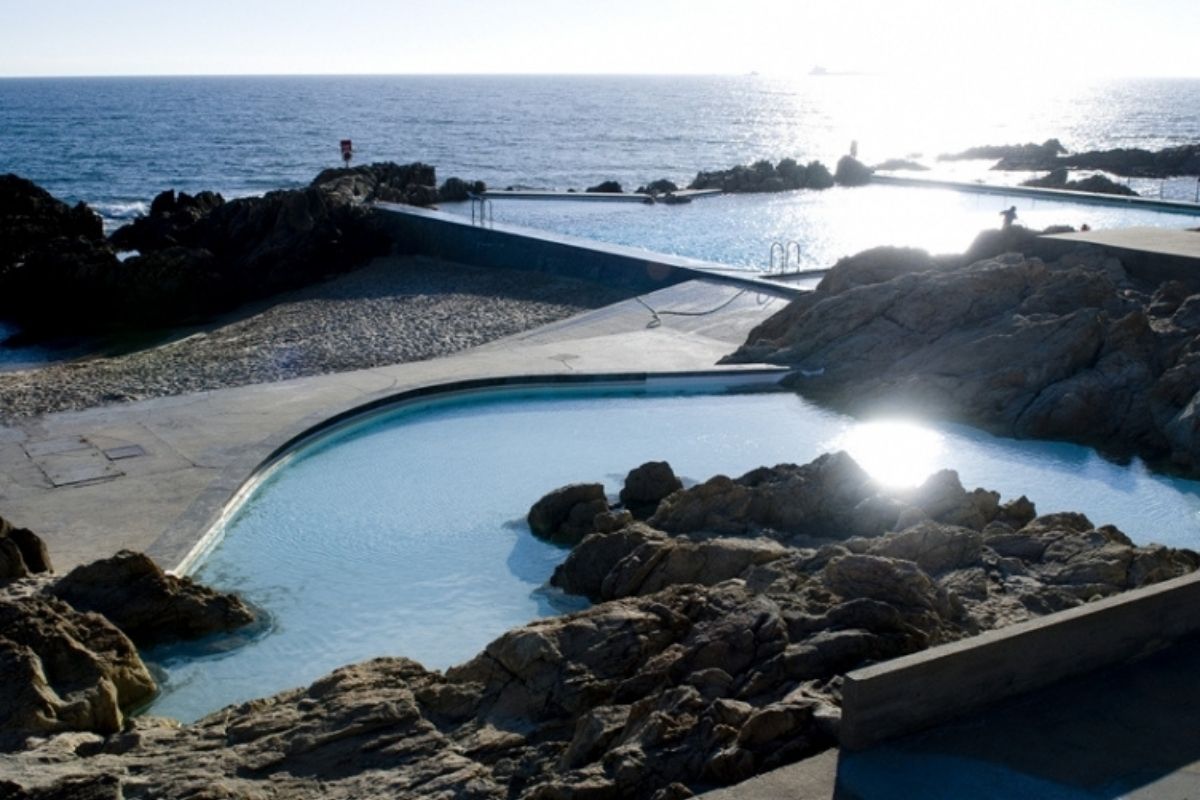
{"type": "Point", "coordinates": [1127, 731]}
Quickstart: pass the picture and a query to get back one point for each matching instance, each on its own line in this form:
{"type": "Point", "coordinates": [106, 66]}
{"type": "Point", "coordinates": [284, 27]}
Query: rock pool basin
{"type": "Point", "coordinates": [404, 532]}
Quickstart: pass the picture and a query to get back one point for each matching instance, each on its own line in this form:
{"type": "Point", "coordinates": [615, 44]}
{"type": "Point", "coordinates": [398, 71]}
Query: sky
{"type": "Point", "coordinates": [1073, 38]}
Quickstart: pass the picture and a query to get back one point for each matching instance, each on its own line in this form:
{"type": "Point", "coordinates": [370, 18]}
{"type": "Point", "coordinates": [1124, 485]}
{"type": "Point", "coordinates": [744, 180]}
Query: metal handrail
{"type": "Point", "coordinates": [487, 215]}
{"type": "Point", "coordinates": [785, 250]}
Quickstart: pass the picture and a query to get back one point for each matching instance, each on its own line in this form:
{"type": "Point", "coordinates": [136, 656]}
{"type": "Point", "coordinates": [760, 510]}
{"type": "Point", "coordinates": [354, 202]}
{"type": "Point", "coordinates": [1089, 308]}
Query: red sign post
{"type": "Point", "coordinates": [347, 151]}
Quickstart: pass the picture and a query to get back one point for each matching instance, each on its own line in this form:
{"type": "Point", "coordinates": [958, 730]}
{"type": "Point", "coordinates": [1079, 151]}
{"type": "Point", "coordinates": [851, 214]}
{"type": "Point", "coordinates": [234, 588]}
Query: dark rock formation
{"type": "Point", "coordinates": [1071, 349]}
{"type": "Point", "coordinates": [606, 187]}
{"type": "Point", "coordinates": [711, 659]}
{"type": "Point", "coordinates": [1030, 153]}
{"type": "Point", "coordinates": [646, 485]}
{"type": "Point", "coordinates": [168, 224]}
{"type": "Point", "coordinates": [1129, 162]}
{"type": "Point", "coordinates": [22, 552]}
{"type": "Point", "coordinates": [851, 172]}
{"type": "Point", "coordinates": [762, 176]}
{"type": "Point", "coordinates": [150, 606]}
{"type": "Point", "coordinates": [568, 514]}
{"type": "Point", "coordinates": [660, 186]}
{"type": "Point", "coordinates": [197, 255]}
{"type": "Point", "coordinates": [1057, 179]}
{"type": "Point", "coordinates": [457, 190]}
{"type": "Point", "coordinates": [45, 245]}
{"type": "Point", "coordinates": [900, 163]}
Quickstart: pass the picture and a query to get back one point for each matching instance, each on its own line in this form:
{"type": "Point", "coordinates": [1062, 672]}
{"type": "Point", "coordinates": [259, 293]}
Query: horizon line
{"type": "Point", "coordinates": [832, 74]}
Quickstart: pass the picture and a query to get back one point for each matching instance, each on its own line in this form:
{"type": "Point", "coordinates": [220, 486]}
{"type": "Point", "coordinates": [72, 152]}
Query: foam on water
{"type": "Point", "coordinates": [406, 536]}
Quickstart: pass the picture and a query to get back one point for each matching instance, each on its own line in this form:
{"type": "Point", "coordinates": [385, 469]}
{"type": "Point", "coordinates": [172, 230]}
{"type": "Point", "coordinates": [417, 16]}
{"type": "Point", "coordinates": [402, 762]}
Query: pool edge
{"type": "Point", "coordinates": [194, 533]}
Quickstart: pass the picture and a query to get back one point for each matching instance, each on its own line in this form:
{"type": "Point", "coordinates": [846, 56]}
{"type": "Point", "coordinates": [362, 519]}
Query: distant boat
{"type": "Point", "coordinates": [818, 70]}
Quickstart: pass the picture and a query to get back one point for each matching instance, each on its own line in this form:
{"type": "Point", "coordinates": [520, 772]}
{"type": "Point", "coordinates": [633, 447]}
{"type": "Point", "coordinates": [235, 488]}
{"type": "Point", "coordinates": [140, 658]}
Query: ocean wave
{"type": "Point", "coordinates": [117, 213]}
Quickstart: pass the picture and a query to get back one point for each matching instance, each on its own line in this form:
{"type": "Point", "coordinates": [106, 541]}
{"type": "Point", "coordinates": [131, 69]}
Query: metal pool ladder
{"type": "Point", "coordinates": [785, 250]}
{"type": "Point", "coordinates": [486, 215]}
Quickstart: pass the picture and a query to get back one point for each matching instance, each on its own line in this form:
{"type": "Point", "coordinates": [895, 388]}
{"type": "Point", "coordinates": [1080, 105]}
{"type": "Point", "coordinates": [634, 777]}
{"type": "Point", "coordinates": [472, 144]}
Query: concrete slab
{"type": "Point", "coordinates": [1125, 731]}
{"type": "Point", "coordinates": [46, 447]}
{"type": "Point", "coordinates": [77, 466]}
{"type": "Point", "coordinates": [1158, 241]}
{"type": "Point", "coordinates": [811, 779]}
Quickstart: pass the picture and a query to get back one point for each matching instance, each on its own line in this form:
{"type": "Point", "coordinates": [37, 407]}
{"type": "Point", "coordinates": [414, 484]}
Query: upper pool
{"type": "Point", "coordinates": [737, 230]}
{"type": "Point", "coordinates": [404, 533]}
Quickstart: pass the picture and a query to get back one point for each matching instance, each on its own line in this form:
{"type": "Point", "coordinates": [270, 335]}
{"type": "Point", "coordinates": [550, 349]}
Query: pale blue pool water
{"type": "Point", "coordinates": [405, 535]}
{"type": "Point", "coordinates": [737, 230]}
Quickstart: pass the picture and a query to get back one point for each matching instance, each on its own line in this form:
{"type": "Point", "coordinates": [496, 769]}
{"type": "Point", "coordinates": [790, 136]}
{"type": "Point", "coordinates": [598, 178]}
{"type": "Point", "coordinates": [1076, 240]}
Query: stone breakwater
{"type": "Point", "coordinates": [395, 310]}
{"type": "Point", "coordinates": [1013, 337]}
{"type": "Point", "coordinates": [725, 616]}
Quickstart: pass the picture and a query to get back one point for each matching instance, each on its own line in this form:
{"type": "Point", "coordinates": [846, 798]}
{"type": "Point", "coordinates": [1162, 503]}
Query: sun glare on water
{"type": "Point", "coordinates": [896, 453]}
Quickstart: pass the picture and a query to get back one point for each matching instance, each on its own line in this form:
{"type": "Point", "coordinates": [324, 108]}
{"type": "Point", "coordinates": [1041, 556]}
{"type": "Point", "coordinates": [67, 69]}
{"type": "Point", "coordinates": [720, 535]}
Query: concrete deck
{"type": "Point", "coordinates": [1037, 193]}
{"type": "Point", "coordinates": [154, 475]}
{"type": "Point", "coordinates": [611, 197]}
{"type": "Point", "coordinates": [1157, 241]}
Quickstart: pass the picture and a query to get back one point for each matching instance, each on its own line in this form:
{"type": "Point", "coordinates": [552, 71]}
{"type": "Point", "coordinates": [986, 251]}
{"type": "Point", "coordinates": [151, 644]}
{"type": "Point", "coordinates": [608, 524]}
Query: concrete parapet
{"type": "Point", "coordinates": [918, 691]}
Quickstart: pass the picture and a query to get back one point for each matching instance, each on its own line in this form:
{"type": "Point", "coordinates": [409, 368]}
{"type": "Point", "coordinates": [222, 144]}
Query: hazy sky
{"type": "Point", "coordinates": [162, 37]}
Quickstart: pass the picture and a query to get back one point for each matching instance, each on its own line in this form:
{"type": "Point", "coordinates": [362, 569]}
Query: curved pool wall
{"type": "Point", "coordinates": [401, 531]}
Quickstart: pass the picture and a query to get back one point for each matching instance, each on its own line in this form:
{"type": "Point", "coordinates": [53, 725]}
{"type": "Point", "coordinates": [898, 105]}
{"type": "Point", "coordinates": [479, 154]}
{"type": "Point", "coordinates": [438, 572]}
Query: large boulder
{"type": "Point", "coordinates": [65, 670]}
{"type": "Point", "coordinates": [568, 513]}
{"type": "Point", "coordinates": [646, 485]}
{"type": "Point", "coordinates": [22, 552]}
{"type": "Point", "coordinates": [820, 499]}
{"type": "Point", "coordinates": [150, 606]}
{"type": "Point", "coordinates": [1061, 349]}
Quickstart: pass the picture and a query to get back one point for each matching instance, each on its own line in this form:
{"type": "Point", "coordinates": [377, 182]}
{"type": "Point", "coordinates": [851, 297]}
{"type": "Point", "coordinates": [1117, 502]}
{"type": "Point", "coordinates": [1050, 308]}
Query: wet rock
{"type": "Point", "coordinates": [660, 186]}
{"type": "Point", "coordinates": [150, 606]}
{"type": "Point", "coordinates": [606, 187]}
{"type": "Point", "coordinates": [568, 514]}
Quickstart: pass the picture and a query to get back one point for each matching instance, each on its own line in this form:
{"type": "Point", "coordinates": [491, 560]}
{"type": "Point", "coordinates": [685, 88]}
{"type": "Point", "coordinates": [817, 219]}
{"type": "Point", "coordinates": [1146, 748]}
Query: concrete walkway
{"type": "Point", "coordinates": [1155, 241]}
{"type": "Point", "coordinates": [154, 475]}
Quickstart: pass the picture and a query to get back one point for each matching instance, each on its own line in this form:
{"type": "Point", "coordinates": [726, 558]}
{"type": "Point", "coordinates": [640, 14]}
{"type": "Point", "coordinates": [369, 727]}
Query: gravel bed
{"type": "Point", "coordinates": [391, 311]}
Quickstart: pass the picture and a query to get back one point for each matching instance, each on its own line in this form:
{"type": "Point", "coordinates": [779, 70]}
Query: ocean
{"type": "Point", "coordinates": [116, 142]}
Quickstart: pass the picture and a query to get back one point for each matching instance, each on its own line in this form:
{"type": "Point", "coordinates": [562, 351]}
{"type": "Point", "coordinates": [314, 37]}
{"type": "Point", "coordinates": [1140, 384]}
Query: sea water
{"type": "Point", "coordinates": [116, 142]}
{"type": "Point", "coordinates": [406, 536]}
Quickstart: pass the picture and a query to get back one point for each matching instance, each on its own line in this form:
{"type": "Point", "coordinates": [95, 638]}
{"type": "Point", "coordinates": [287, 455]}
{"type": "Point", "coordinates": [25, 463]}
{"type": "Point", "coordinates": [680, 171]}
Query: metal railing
{"type": "Point", "coordinates": [785, 250]}
{"type": "Point", "coordinates": [486, 215]}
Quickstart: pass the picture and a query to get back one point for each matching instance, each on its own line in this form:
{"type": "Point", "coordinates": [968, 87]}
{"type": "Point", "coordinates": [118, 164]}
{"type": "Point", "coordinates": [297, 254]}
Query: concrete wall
{"type": "Point", "coordinates": [914, 692]}
{"type": "Point", "coordinates": [455, 238]}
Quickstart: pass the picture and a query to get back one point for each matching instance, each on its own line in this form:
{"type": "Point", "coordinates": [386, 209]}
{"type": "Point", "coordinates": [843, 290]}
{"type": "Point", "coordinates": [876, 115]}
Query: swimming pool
{"type": "Point", "coordinates": [404, 533]}
{"type": "Point", "coordinates": [737, 230]}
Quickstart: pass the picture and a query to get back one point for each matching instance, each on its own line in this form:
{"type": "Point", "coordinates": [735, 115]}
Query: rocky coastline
{"type": "Point", "coordinates": [725, 615]}
{"type": "Point", "coordinates": [1017, 336]}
